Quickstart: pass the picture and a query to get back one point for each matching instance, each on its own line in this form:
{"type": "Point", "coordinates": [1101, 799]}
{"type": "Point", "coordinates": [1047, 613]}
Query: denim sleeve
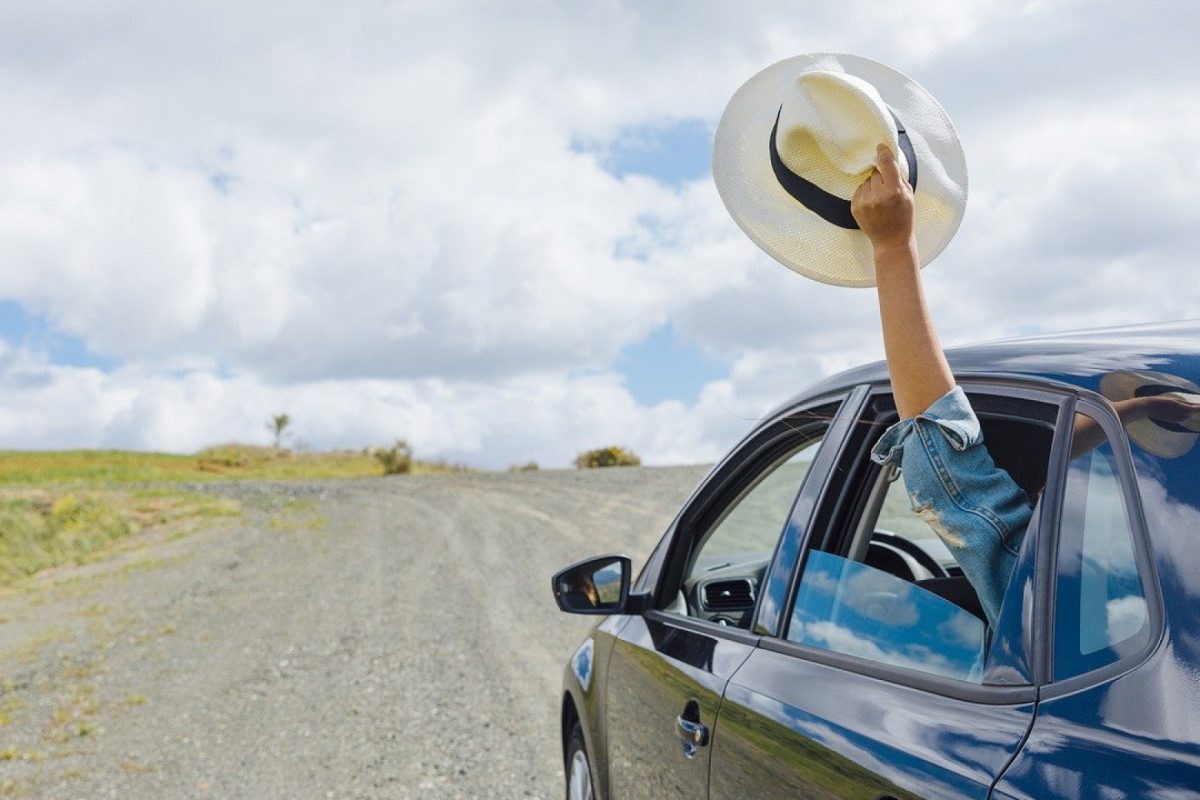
{"type": "Point", "coordinates": [973, 506]}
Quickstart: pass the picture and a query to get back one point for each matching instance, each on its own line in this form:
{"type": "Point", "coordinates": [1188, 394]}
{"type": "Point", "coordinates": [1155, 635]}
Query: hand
{"type": "Point", "coordinates": [883, 205]}
{"type": "Point", "coordinates": [1171, 407]}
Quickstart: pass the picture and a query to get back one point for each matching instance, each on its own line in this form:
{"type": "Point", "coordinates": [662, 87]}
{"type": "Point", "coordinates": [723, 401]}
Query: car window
{"type": "Point", "coordinates": [728, 560]}
{"type": "Point", "coordinates": [851, 608]}
{"type": "Point", "coordinates": [901, 542]}
{"type": "Point", "coordinates": [875, 604]}
{"type": "Point", "coordinates": [1100, 602]}
{"type": "Point", "coordinates": [881, 585]}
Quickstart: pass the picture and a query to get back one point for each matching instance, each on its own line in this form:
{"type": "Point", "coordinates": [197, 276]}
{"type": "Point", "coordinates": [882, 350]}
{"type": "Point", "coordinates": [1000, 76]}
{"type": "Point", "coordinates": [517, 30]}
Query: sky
{"type": "Point", "coordinates": [491, 229]}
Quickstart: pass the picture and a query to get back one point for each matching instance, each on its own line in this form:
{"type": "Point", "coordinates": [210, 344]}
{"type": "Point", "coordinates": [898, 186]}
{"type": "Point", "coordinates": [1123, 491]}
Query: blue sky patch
{"type": "Point", "coordinates": [18, 327]}
{"type": "Point", "coordinates": [674, 154]}
{"type": "Point", "coordinates": [220, 180]}
{"type": "Point", "coordinates": [661, 367]}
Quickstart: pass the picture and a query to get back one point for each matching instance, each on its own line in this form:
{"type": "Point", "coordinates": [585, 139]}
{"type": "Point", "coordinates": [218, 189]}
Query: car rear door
{"type": "Point", "coordinates": [865, 684]}
{"type": "Point", "coordinates": [1117, 716]}
{"type": "Point", "coordinates": [669, 666]}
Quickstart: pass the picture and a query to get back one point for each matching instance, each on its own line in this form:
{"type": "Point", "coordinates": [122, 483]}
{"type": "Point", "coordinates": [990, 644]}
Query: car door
{"type": "Point", "coordinates": [669, 666]}
{"type": "Point", "coordinates": [878, 678]}
{"type": "Point", "coordinates": [1117, 716]}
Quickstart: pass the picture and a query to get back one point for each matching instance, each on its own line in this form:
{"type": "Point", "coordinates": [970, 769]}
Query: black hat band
{"type": "Point", "coordinates": [830, 207]}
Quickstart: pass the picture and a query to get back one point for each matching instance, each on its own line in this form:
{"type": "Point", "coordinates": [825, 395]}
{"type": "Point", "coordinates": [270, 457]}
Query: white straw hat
{"type": "Point", "coordinates": [1163, 439]}
{"type": "Point", "coordinates": [799, 138]}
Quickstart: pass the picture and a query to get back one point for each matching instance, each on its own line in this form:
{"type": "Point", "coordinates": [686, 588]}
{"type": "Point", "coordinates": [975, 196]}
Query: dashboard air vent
{"type": "Point", "coordinates": [728, 595]}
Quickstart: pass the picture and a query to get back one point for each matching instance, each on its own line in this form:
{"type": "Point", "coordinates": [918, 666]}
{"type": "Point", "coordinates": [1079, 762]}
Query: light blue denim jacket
{"type": "Point", "coordinates": [973, 506]}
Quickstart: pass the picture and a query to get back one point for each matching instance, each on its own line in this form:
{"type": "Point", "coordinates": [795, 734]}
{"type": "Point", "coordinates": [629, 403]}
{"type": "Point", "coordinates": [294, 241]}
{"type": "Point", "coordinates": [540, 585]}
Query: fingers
{"type": "Point", "coordinates": [861, 191]}
{"type": "Point", "coordinates": [888, 167]}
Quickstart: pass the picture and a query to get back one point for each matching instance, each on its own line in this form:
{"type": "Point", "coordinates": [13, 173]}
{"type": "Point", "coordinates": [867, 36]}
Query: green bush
{"type": "Point", "coordinates": [529, 466]}
{"type": "Point", "coordinates": [397, 459]}
{"type": "Point", "coordinates": [607, 457]}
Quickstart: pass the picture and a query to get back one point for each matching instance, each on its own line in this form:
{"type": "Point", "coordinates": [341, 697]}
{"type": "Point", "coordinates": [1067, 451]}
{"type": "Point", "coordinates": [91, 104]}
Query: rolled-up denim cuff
{"type": "Point", "coordinates": [951, 414]}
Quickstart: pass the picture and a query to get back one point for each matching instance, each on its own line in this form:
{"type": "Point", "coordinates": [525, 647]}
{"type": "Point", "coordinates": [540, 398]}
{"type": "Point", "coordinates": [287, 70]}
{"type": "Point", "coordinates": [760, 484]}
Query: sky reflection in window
{"type": "Point", "coordinates": [850, 608]}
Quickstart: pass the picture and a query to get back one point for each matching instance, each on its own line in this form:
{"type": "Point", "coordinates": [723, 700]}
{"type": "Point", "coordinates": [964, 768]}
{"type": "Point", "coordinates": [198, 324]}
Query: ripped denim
{"type": "Point", "coordinates": [973, 506]}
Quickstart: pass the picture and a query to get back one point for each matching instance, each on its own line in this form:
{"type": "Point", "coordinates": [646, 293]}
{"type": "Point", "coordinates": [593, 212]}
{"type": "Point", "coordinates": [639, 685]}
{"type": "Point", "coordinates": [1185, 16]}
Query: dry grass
{"type": "Point", "coordinates": [71, 506]}
{"type": "Point", "coordinates": [224, 462]}
{"type": "Point", "coordinates": [45, 528]}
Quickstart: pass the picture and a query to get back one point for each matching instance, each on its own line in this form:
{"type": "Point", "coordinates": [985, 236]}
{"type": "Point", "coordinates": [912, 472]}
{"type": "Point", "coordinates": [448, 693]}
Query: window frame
{"type": "Point", "coordinates": [726, 483]}
{"type": "Point", "coordinates": [854, 463]}
{"type": "Point", "coordinates": [1100, 410]}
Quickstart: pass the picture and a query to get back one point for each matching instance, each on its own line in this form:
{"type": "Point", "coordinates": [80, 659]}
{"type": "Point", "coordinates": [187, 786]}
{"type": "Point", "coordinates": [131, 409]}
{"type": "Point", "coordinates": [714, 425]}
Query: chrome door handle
{"type": "Point", "coordinates": [692, 733]}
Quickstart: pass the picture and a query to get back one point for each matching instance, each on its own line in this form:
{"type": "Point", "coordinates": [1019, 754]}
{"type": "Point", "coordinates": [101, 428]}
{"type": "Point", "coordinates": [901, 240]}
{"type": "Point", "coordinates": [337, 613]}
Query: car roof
{"type": "Point", "coordinates": [1080, 358]}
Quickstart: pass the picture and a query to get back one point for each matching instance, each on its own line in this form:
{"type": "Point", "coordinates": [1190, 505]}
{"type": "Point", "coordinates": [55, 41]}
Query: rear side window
{"type": "Point", "coordinates": [1100, 601]}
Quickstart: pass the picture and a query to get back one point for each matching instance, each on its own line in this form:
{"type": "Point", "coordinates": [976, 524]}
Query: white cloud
{"type": "Point", "coordinates": [373, 217]}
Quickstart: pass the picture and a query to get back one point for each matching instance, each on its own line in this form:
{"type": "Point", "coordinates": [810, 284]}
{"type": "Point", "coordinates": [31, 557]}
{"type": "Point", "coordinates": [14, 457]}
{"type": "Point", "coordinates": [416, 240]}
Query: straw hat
{"type": "Point", "coordinates": [1162, 438]}
{"type": "Point", "coordinates": [799, 138]}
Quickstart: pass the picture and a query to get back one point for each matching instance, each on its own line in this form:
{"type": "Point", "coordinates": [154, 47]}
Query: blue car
{"type": "Point", "coordinates": [800, 632]}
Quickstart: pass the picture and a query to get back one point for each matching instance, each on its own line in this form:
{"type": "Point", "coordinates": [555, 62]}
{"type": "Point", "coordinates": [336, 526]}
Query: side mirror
{"type": "Point", "coordinates": [594, 586]}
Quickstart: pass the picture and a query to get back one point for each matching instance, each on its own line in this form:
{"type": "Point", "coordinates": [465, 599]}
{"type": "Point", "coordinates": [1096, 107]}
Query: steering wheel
{"type": "Point", "coordinates": [909, 548]}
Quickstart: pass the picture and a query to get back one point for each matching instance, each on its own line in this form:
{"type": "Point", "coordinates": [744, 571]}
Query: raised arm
{"type": "Point", "coordinates": [980, 514]}
{"type": "Point", "coordinates": [883, 207]}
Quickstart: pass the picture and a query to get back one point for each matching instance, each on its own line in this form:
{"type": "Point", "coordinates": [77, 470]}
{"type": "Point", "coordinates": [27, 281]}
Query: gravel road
{"type": "Point", "coordinates": [388, 638]}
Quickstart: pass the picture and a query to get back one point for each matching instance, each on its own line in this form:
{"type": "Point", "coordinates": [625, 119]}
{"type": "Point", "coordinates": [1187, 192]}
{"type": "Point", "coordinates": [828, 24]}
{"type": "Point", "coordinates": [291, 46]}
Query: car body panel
{"type": "Point", "coordinates": [1075, 359]}
{"type": "Point", "coordinates": [796, 728]}
{"type": "Point", "coordinates": [1131, 731]}
{"type": "Point", "coordinates": [1091, 729]}
{"type": "Point", "coordinates": [1131, 736]}
{"type": "Point", "coordinates": [658, 668]}
{"type": "Point", "coordinates": [584, 696]}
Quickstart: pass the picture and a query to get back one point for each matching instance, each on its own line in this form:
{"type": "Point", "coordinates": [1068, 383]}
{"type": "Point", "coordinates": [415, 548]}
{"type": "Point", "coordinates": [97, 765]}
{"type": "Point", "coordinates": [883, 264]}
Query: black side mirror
{"type": "Point", "coordinates": [593, 586]}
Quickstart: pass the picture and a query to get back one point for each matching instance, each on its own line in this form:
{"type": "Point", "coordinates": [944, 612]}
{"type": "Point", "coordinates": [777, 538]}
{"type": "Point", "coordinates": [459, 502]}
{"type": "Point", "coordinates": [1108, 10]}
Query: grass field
{"type": "Point", "coordinates": [93, 468]}
{"type": "Point", "coordinates": [73, 506]}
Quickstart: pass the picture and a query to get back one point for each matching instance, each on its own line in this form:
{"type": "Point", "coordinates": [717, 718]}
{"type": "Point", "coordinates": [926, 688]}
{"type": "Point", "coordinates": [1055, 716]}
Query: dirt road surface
{"type": "Point", "coordinates": [390, 638]}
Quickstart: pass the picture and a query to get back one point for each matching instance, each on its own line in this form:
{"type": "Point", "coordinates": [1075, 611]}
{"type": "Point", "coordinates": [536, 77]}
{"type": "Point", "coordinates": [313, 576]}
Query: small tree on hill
{"type": "Point", "coordinates": [607, 457]}
{"type": "Point", "coordinates": [397, 459]}
{"type": "Point", "coordinates": [277, 426]}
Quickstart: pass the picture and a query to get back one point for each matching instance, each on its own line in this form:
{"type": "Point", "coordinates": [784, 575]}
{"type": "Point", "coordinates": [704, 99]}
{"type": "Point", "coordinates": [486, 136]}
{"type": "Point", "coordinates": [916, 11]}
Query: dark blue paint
{"type": "Point", "coordinates": [795, 724]}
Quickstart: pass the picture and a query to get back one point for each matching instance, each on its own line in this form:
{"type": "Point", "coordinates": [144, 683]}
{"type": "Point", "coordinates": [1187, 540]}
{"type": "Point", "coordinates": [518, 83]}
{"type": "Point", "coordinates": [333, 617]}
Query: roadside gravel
{"type": "Point", "coordinates": [387, 638]}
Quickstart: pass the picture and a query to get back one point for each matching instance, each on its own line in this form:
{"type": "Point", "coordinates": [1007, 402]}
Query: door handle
{"type": "Point", "coordinates": [694, 735]}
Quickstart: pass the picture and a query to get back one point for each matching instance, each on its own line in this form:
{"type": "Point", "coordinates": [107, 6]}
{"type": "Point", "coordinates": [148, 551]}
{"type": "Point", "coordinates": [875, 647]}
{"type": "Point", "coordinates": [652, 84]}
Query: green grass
{"type": "Point", "coordinates": [226, 462]}
{"type": "Point", "coordinates": [44, 528]}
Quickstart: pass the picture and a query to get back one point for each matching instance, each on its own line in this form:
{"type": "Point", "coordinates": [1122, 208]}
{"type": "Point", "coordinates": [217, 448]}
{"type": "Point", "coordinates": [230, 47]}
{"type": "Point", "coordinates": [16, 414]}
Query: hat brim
{"type": "Point", "coordinates": [795, 236]}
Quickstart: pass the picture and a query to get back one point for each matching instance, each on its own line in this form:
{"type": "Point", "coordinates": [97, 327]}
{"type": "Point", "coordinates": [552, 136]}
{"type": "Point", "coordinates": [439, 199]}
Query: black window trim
{"type": "Point", "coordinates": [697, 625]}
{"type": "Point", "coordinates": [1099, 409]}
{"type": "Point", "coordinates": [984, 694]}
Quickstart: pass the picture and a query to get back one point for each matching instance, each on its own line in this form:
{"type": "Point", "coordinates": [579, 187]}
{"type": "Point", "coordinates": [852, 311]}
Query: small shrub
{"type": "Point", "coordinates": [529, 466]}
{"type": "Point", "coordinates": [607, 457]}
{"type": "Point", "coordinates": [237, 456]}
{"type": "Point", "coordinates": [397, 459]}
